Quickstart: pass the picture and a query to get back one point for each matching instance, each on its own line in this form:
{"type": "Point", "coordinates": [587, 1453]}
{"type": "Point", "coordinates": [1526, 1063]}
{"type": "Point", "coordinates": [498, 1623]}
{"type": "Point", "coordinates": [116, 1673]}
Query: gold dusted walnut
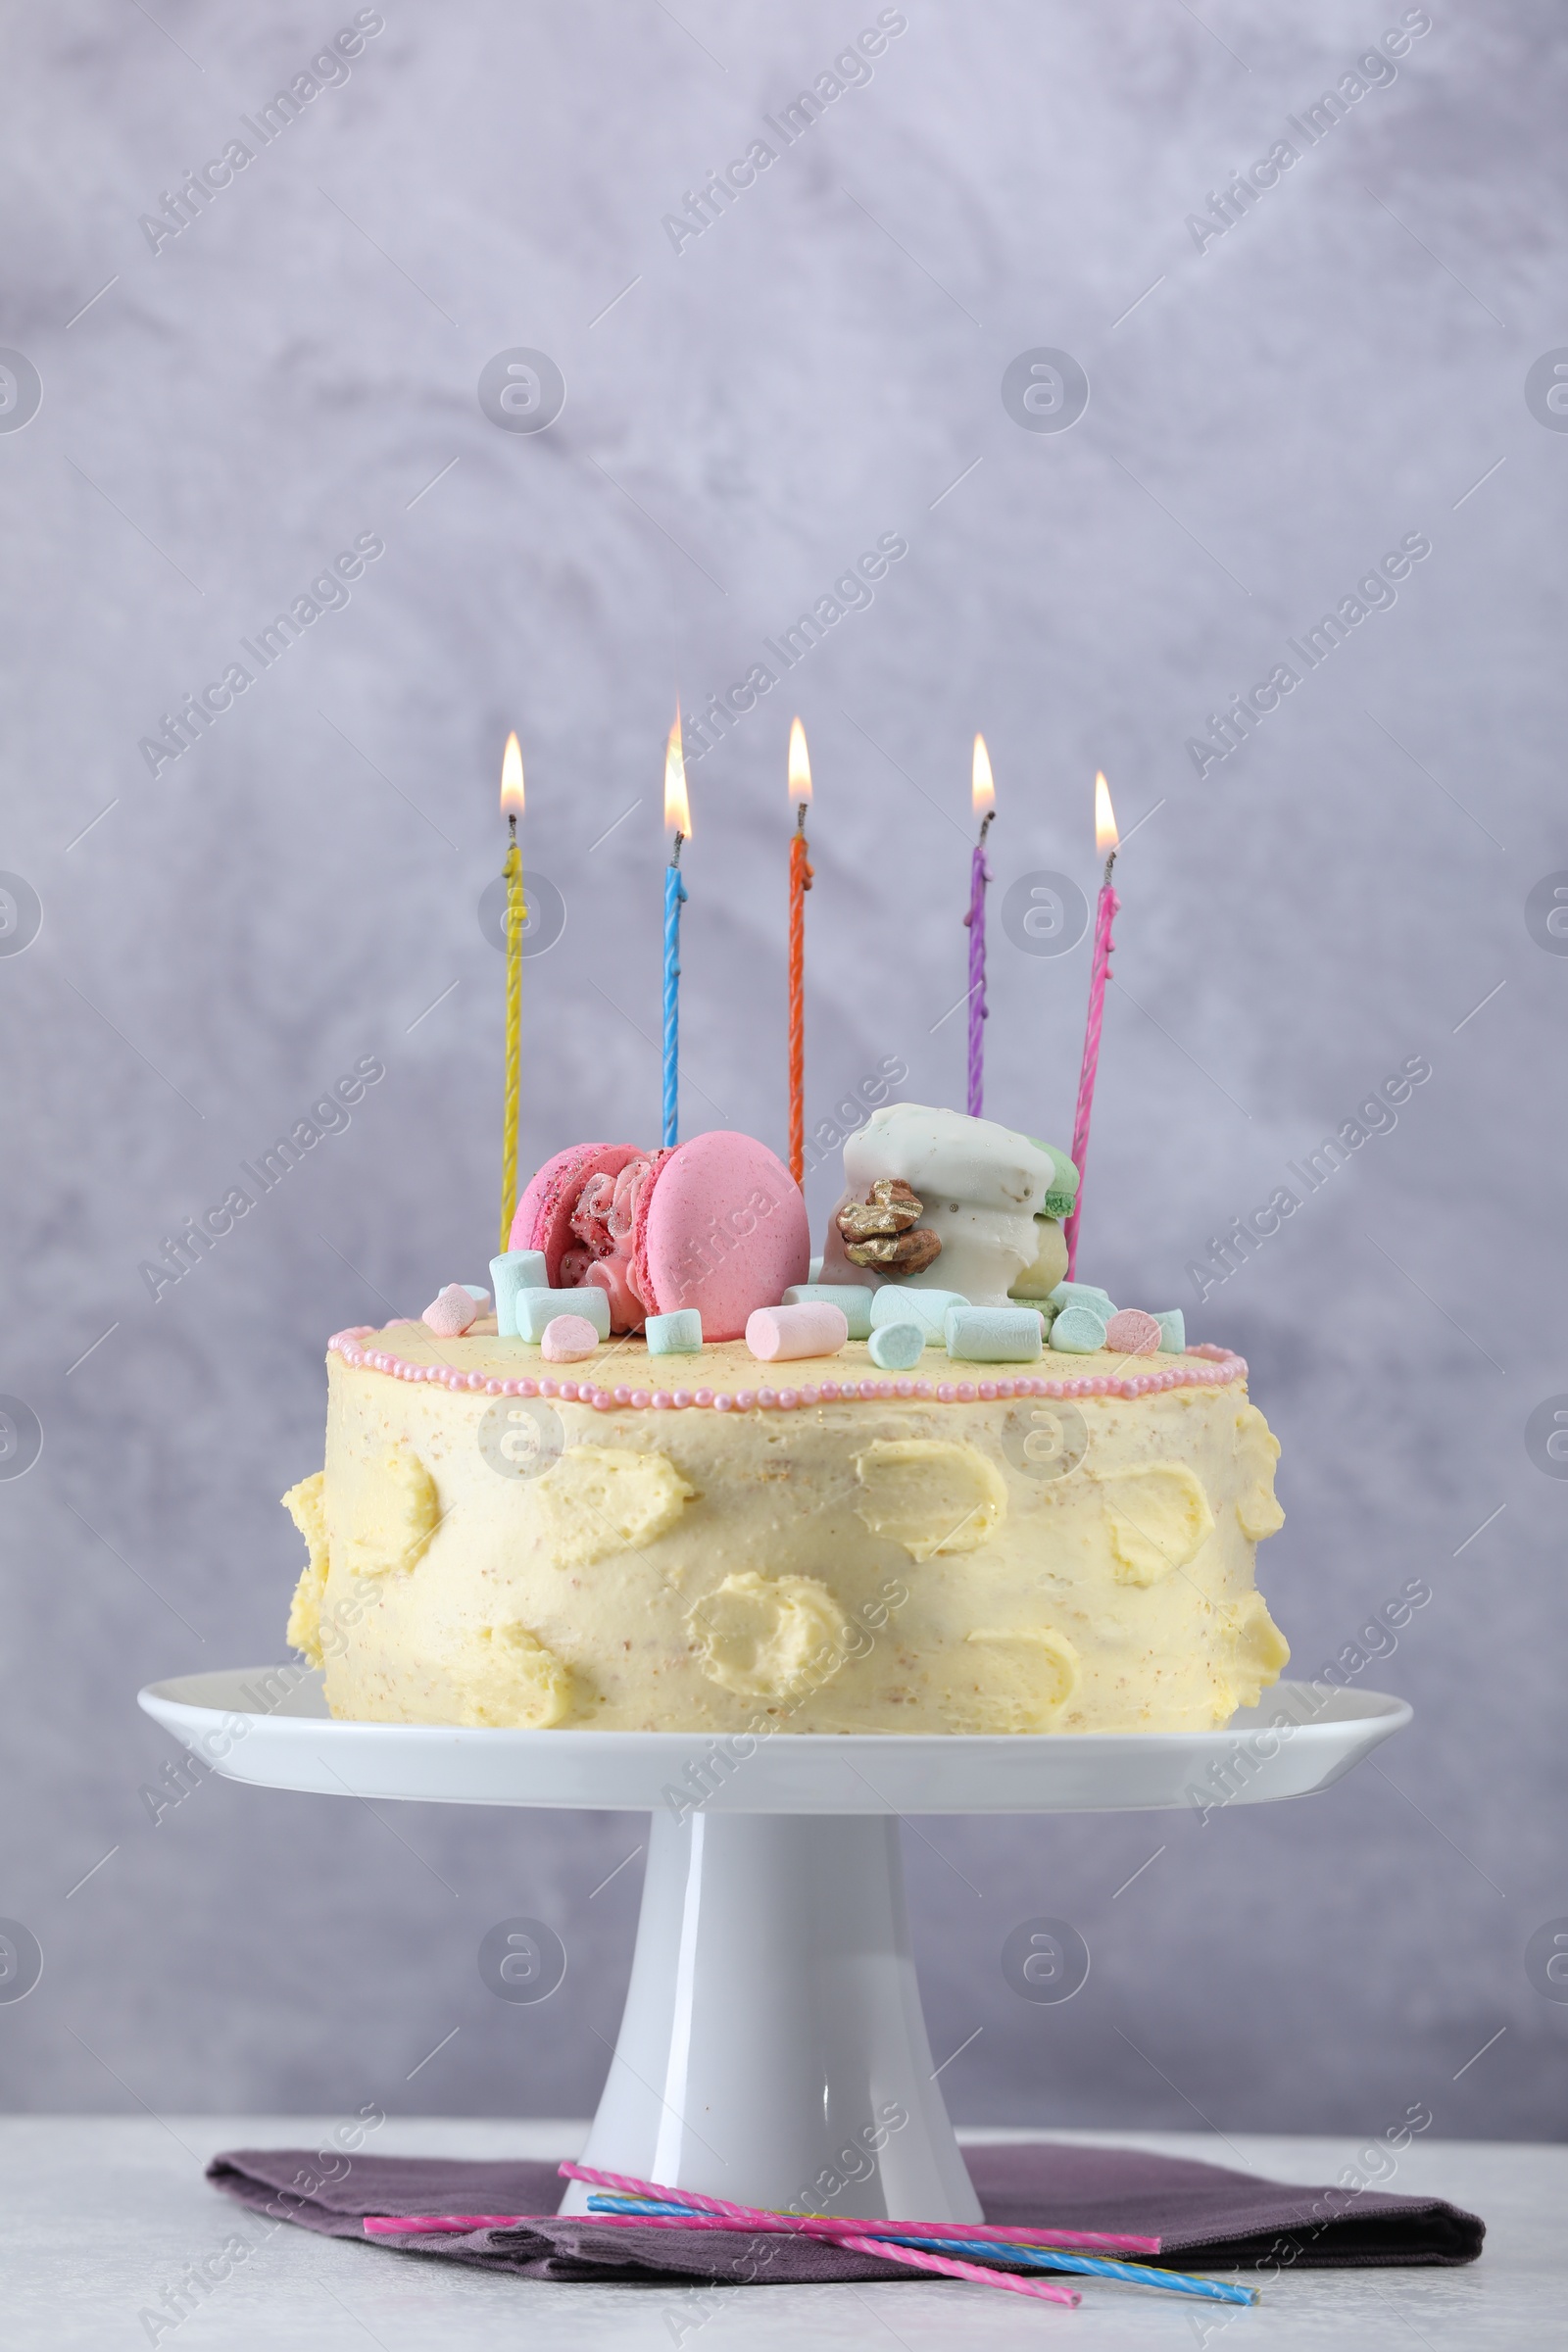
{"type": "Point", "coordinates": [885, 1230]}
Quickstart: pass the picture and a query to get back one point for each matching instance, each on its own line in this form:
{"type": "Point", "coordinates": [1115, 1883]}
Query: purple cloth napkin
{"type": "Point", "coordinates": [1206, 2217]}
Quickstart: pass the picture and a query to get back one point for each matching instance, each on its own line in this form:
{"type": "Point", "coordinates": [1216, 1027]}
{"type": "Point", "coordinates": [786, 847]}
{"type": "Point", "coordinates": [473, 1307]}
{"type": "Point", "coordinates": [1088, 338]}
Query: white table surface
{"type": "Point", "coordinates": [99, 2215]}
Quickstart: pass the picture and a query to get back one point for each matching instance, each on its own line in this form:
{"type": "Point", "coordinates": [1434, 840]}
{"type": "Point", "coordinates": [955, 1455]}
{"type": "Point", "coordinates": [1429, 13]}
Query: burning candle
{"type": "Point", "coordinates": [511, 803]}
{"type": "Point", "coordinates": [800, 884]}
{"type": "Point", "coordinates": [1105, 838]}
{"type": "Point", "coordinates": [678, 823]}
{"type": "Point", "coordinates": [983, 792]}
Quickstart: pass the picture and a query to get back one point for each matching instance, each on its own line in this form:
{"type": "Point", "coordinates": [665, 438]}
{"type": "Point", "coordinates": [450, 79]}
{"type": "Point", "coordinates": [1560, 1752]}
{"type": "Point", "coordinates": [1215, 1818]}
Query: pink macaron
{"type": "Point", "coordinates": [543, 1219]}
{"type": "Point", "coordinates": [720, 1226]}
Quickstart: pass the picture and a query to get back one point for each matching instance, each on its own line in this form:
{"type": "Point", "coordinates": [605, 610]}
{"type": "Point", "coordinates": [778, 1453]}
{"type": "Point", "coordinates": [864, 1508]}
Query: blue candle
{"type": "Point", "coordinates": [678, 816]}
{"type": "Point", "coordinates": [674, 900]}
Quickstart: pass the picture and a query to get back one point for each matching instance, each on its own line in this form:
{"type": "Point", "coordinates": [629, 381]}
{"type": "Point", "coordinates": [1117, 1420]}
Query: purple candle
{"type": "Point", "coordinates": [984, 792]}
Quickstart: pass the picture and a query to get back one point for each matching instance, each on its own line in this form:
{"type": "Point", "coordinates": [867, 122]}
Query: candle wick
{"type": "Point", "coordinates": [674, 854]}
{"type": "Point", "coordinates": [985, 825]}
{"type": "Point", "coordinates": [1110, 862]}
{"type": "Point", "coordinates": [800, 817]}
{"type": "Point", "coordinates": [511, 822]}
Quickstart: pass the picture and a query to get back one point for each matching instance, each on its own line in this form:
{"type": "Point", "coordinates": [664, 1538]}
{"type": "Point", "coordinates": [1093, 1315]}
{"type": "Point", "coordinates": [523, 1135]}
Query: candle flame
{"type": "Point", "coordinates": [983, 788]}
{"type": "Point", "coordinates": [678, 808]}
{"type": "Point", "coordinates": [799, 764]}
{"type": "Point", "coordinates": [1106, 836]}
{"type": "Point", "coordinates": [511, 778]}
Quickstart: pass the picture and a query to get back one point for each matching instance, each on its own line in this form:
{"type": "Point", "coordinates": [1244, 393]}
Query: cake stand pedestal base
{"type": "Point", "coordinates": [772, 2050]}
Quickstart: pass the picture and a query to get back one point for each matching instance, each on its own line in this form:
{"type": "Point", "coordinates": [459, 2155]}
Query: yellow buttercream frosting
{"type": "Point", "coordinates": [1159, 1517]}
{"type": "Point", "coordinates": [1014, 1682]}
{"type": "Point", "coordinates": [306, 1505]}
{"type": "Point", "coordinates": [382, 1509]}
{"type": "Point", "coordinates": [597, 1501]}
{"type": "Point", "coordinates": [769, 1638]}
{"type": "Point", "coordinates": [930, 1494]}
{"type": "Point", "coordinates": [506, 1677]}
{"type": "Point", "coordinates": [1257, 1450]}
{"type": "Point", "coordinates": [884, 1564]}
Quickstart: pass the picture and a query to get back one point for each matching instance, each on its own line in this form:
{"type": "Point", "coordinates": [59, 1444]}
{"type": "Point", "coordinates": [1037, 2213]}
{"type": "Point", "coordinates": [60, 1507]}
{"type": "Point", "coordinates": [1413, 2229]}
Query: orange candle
{"type": "Point", "coordinates": [800, 884]}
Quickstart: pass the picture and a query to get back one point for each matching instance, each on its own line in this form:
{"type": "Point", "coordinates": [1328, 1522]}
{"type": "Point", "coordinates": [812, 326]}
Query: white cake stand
{"type": "Point", "coordinates": [772, 2031]}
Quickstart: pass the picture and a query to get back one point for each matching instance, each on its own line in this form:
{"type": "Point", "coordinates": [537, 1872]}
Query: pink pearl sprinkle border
{"type": "Point", "coordinates": [1205, 1367]}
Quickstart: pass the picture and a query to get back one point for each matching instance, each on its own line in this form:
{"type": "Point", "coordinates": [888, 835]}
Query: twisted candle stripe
{"type": "Point", "coordinates": [826, 2224]}
{"type": "Point", "coordinates": [1100, 971]}
{"type": "Point", "coordinates": [800, 878]}
{"type": "Point", "coordinates": [628, 2208]}
{"type": "Point", "coordinates": [752, 2216]}
{"type": "Point", "coordinates": [995, 2244]}
{"type": "Point", "coordinates": [979, 876]}
{"type": "Point", "coordinates": [1095, 2266]}
{"type": "Point", "coordinates": [674, 900]}
{"type": "Point", "coordinates": [517, 917]}
{"type": "Point", "coordinates": [820, 2223]}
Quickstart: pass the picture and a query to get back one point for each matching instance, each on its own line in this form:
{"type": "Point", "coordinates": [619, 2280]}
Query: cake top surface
{"type": "Point", "coordinates": [725, 1376]}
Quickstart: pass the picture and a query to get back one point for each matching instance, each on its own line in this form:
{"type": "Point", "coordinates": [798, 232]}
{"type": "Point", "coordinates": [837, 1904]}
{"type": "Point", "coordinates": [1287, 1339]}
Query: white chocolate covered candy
{"type": "Point", "coordinates": [981, 1186]}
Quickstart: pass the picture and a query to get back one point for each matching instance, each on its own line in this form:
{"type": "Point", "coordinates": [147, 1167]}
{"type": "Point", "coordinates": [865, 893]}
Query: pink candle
{"type": "Point", "coordinates": [824, 2225]}
{"type": "Point", "coordinates": [1105, 839]}
{"type": "Point", "coordinates": [983, 792]}
{"type": "Point", "coordinates": [841, 2233]}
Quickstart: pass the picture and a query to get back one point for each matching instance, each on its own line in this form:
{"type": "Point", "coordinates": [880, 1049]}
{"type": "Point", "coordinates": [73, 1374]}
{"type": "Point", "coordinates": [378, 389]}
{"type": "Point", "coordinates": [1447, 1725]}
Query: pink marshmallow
{"type": "Point", "coordinates": [450, 1314]}
{"type": "Point", "coordinates": [567, 1339]}
{"type": "Point", "coordinates": [814, 1328]}
{"type": "Point", "coordinates": [1131, 1332]}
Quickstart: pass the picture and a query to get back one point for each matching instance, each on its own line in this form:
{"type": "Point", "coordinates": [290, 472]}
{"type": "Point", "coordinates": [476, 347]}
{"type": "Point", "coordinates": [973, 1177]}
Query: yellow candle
{"type": "Point", "coordinates": [511, 800]}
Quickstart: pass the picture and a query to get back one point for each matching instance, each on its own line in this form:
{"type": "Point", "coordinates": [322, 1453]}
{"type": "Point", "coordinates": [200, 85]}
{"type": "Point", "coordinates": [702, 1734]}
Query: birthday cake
{"type": "Point", "coordinates": [681, 1477]}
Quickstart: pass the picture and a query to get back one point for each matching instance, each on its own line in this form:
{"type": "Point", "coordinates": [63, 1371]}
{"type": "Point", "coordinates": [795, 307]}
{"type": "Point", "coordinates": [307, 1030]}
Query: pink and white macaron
{"type": "Point", "coordinates": [718, 1224]}
{"type": "Point", "coordinates": [543, 1214]}
{"type": "Point", "coordinates": [722, 1227]}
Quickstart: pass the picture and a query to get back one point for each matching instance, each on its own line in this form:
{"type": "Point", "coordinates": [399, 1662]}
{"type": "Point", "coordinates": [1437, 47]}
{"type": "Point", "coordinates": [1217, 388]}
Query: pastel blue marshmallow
{"type": "Point", "coordinates": [898, 1347]}
{"type": "Point", "coordinates": [852, 1299]}
{"type": "Point", "coordinates": [677, 1334]}
{"type": "Point", "coordinates": [1078, 1331]}
{"type": "Point", "coordinates": [814, 1274]}
{"type": "Point", "coordinates": [898, 1302]}
{"type": "Point", "coordinates": [1084, 1293]}
{"type": "Point", "coordinates": [1172, 1331]}
{"type": "Point", "coordinates": [535, 1308]}
{"type": "Point", "coordinates": [514, 1271]}
{"type": "Point", "coordinates": [994, 1335]}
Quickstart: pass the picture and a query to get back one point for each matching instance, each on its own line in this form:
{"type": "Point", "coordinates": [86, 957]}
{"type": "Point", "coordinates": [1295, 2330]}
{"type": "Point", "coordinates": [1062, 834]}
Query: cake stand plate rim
{"type": "Point", "coordinates": [1249, 1761]}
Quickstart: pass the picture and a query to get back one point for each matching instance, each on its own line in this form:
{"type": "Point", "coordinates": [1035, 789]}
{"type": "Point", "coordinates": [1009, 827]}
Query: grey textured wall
{"type": "Point", "coordinates": [1269, 415]}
